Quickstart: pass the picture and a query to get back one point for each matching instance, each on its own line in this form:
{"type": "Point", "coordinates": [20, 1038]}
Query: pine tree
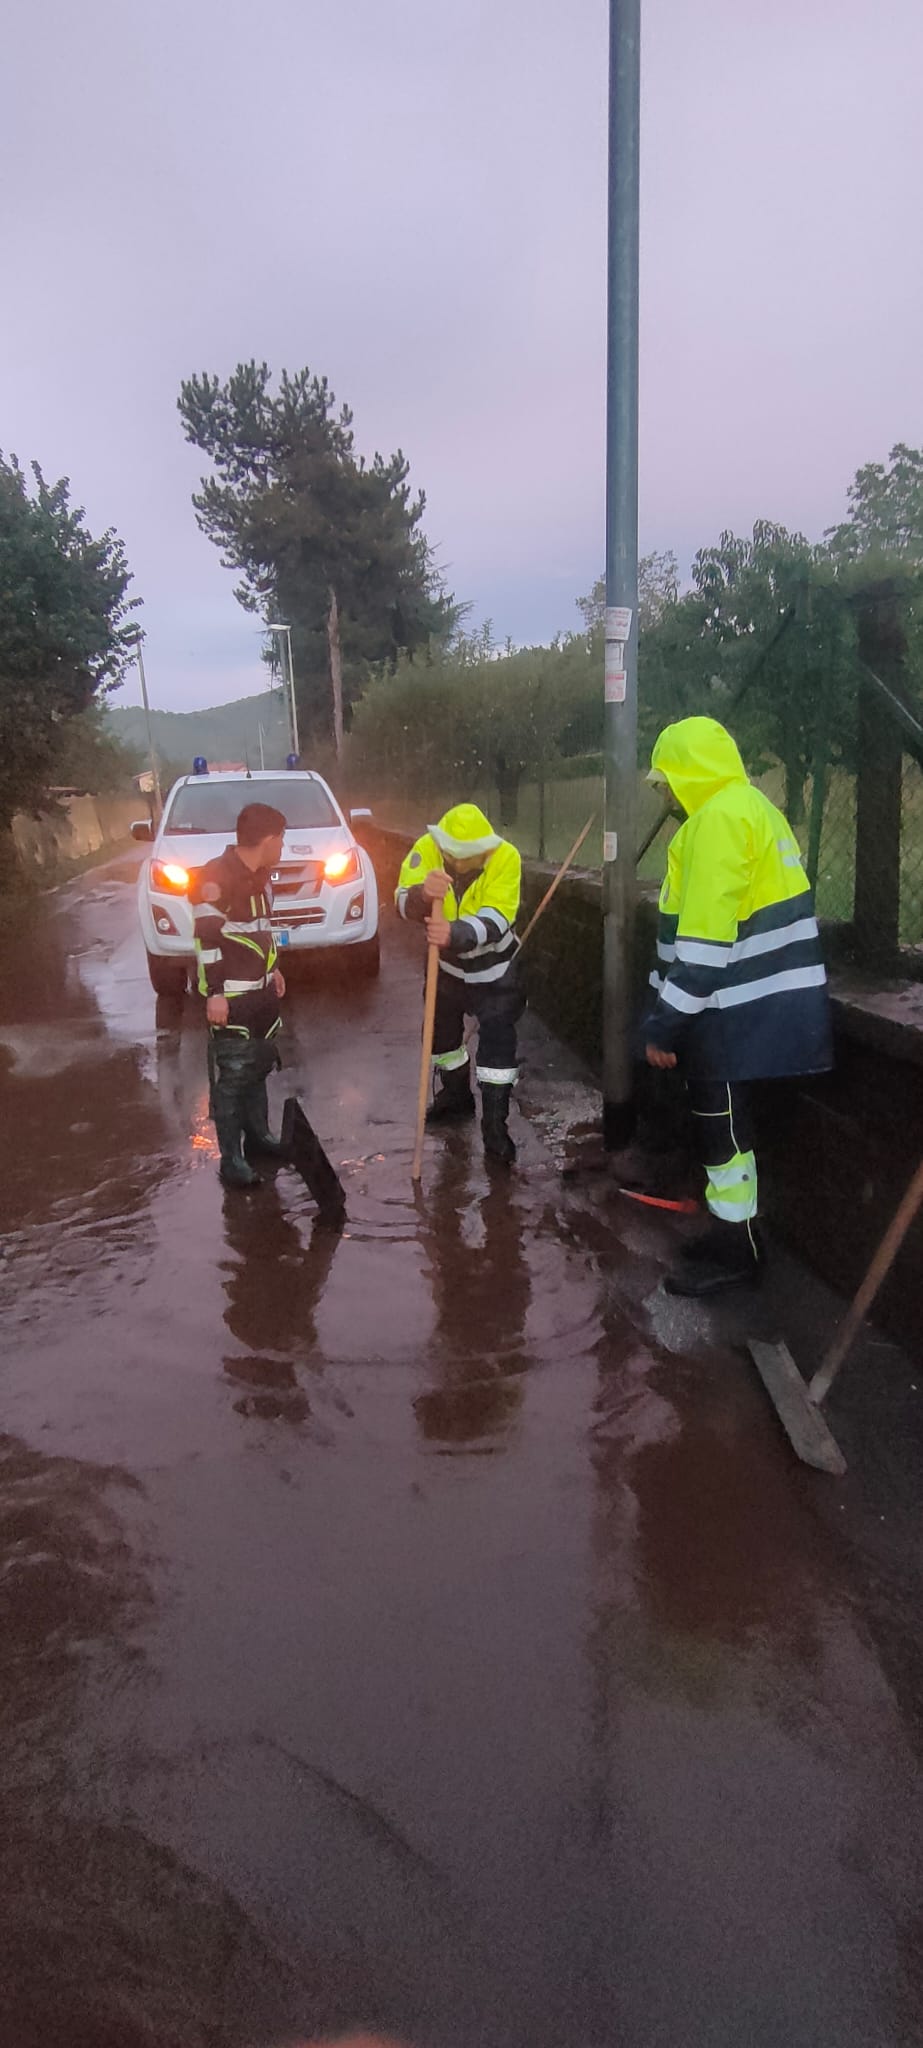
{"type": "Point", "coordinates": [329, 544]}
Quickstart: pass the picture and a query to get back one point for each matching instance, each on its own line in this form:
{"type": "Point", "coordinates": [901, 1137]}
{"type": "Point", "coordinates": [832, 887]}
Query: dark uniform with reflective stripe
{"type": "Point", "coordinates": [235, 948]}
{"type": "Point", "coordinates": [236, 956]}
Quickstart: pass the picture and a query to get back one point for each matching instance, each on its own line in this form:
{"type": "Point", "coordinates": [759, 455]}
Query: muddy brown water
{"type": "Point", "coordinates": [422, 1628]}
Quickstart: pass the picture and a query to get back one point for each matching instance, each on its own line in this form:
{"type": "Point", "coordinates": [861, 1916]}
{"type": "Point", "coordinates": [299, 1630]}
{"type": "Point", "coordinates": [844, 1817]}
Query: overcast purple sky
{"type": "Point", "coordinates": [409, 195]}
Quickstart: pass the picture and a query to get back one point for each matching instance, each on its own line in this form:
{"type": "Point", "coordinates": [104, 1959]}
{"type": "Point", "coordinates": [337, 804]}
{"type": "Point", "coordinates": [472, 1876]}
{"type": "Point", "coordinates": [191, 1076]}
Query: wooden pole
{"type": "Point", "coordinates": [336, 671]}
{"type": "Point", "coordinates": [559, 877]}
{"type": "Point", "coordinates": [429, 1020]}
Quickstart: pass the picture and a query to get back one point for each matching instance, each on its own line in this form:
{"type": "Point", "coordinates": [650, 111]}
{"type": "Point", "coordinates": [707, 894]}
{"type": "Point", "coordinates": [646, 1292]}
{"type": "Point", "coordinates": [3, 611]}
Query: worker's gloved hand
{"type": "Point", "coordinates": [657, 1058]}
{"type": "Point", "coordinates": [438, 932]}
{"type": "Point", "coordinates": [217, 1010]}
{"type": "Point", "coordinates": [278, 982]}
{"type": "Point", "coordinates": [437, 886]}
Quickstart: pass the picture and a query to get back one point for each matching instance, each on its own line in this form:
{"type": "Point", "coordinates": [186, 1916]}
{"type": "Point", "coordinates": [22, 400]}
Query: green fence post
{"type": "Point", "coordinates": [877, 914]}
{"type": "Point", "coordinates": [820, 764]}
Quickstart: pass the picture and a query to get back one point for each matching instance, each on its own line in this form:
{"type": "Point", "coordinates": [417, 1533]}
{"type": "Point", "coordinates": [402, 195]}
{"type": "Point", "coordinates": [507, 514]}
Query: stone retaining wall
{"type": "Point", "coordinates": [73, 830]}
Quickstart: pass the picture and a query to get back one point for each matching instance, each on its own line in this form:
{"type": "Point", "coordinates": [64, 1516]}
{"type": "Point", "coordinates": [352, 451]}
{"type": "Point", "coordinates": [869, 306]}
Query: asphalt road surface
{"type": "Point", "coordinates": [422, 1628]}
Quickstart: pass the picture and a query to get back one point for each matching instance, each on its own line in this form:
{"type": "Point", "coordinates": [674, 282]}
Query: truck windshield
{"type": "Point", "coordinates": [203, 806]}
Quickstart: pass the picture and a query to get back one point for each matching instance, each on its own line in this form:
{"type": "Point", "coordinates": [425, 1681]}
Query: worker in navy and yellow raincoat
{"type": "Point", "coordinates": [741, 986]}
{"type": "Point", "coordinates": [462, 882]}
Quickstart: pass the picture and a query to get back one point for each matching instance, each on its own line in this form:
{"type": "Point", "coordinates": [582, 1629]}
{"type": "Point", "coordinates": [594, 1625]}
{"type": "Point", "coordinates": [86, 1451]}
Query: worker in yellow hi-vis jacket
{"type": "Point", "coordinates": [462, 882]}
{"type": "Point", "coordinates": [741, 986]}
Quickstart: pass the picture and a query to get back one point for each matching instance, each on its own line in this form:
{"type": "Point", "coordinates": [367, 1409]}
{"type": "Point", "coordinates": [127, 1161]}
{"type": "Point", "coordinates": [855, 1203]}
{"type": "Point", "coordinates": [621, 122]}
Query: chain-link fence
{"type": "Point", "coordinates": [544, 818]}
{"type": "Point", "coordinates": [837, 855]}
{"type": "Point", "coordinates": [852, 786]}
{"type": "Point", "coordinates": [832, 857]}
{"type": "Point", "coordinates": [911, 922]}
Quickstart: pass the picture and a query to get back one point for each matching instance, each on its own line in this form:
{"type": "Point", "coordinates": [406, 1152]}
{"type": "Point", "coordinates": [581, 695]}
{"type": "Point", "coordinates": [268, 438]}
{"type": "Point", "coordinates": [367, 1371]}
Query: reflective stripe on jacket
{"type": "Point", "coordinates": [235, 948]}
{"type": "Point", "coordinates": [740, 978]}
{"type": "Point", "coordinates": [482, 911]}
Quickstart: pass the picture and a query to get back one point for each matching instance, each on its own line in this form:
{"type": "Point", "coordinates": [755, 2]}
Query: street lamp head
{"type": "Point", "coordinates": [278, 629]}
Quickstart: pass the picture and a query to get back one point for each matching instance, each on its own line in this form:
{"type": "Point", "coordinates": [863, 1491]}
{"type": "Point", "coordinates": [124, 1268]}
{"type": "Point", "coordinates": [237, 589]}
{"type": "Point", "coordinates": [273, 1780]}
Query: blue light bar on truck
{"type": "Point", "coordinates": [200, 765]}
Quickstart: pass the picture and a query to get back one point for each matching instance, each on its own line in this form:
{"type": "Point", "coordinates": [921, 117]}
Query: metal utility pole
{"type": "Point", "coordinates": [296, 743]}
{"type": "Point", "coordinates": [293, 710]}
{"type": "Point", "coordinates": [152, 750]}
{"type": "Point", "coordinates": [621, 680]}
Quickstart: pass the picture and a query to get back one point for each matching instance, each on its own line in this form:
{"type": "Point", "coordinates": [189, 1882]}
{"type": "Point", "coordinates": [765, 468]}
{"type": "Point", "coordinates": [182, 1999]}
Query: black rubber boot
{"type": "Point", "coordinates": [233, 1171]}
{"type": "Point", "coordinates": [258, 1138]}
{"type": "Point", "coordinates": [727, 1255]}
{"type": "Point", "coordinates": [453, 1098]}
{"type": "Point", "coordinates": [495, 1108]}
{"type": "Point", "coordinates": [718, 1243]}
{"type": "Point", "coordinates": [237, 1070]}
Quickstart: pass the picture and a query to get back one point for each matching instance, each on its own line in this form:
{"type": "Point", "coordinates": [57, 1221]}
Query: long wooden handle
{"type": "Point", "coordinates": [878, 1271]}
{"type": "Point", "coordinates": [559, 877]}
{"type": "Point", "coordinates": [429, 1020]}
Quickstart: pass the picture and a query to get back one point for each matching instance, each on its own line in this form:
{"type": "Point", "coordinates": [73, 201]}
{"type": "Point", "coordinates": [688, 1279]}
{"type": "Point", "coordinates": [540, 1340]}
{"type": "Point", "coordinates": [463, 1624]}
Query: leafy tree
{"type": "Point", "coordinates": [64, 640]}
{"type": "Point", "coordinates": [883, 537]}
{"type": "Point", "coordinates": [658, 589]}
{"type": "Point", "coordinates": [768, 618]}
{"type": "Point", "coordinates": [885, 509]}
{"type": "Point", "coordinates": [679, 669]}
{"type": "Point", "coordinates": [531, 708]}
{"type": "Point", "coordinates": [764, 641]}
{"type": "Point", "coordinates": [476, 717]}
{"type": "Point", "coordinates": [324, 541]}
{"type": "Point", "coordinates": [85, 755]}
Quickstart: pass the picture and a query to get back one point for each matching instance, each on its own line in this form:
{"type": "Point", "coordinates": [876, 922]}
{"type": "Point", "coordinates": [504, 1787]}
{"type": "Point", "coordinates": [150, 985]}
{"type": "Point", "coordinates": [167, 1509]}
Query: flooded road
{"type": "Point", "coordinates": [421, 1628]}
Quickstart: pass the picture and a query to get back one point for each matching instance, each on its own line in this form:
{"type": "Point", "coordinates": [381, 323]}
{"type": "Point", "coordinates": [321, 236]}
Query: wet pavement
{"type": "Point", "coordinates": [427, 1627]}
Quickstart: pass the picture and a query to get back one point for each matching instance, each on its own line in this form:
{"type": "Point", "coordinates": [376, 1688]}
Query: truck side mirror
{"type": "Point", "coordinates": [142, 829]}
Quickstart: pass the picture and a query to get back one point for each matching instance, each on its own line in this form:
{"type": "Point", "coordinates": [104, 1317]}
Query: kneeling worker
{"type": "Point", "coordinates": [238, 976]}
{"type": "Point", "coordinates": [741, 985]}
{"type": "Point", "coordinates": [462, 881]}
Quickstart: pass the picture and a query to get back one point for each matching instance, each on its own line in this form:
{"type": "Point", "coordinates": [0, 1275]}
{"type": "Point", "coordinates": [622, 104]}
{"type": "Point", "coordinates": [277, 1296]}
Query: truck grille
{"type": "Point", "coordinates": [297, 878]}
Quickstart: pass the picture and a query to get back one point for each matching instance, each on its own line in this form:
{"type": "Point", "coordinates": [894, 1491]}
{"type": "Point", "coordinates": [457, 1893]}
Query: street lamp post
{"type": "Point", "coordinates": [621, 673]}
{"type": "Point", "coordinates": [293, 710]}
{"type": "Point", "coordinates": [152, 750]}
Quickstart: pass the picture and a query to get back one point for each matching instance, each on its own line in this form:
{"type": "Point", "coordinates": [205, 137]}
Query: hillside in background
{"type": "Point", "coordinates": [224, 732]}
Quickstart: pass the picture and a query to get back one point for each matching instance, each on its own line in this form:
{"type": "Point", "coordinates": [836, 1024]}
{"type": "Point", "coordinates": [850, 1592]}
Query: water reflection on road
{"type": "Point", "coordinates": [407, 1625]}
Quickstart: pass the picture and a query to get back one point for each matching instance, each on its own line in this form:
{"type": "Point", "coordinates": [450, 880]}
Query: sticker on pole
{"type": "Point", "coordinates": [616, 680]}
{"type": "Point", "coordinates": [610, 846]}
{"type": "Point", "coordinates": [618, 621]}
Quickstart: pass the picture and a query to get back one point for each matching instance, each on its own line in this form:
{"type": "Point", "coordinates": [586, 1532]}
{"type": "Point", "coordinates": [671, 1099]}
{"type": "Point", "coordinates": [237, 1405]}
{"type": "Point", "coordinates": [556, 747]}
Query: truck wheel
{"type": "Point", "coordinates": [168, 977]}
